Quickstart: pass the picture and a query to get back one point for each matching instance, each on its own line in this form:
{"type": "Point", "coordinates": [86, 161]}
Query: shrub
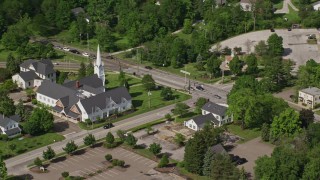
{"type": "Point", "coordinates": [265, 132]}
{"type": "Point", "coordinates": [168, 117]}
{"type": "Point", "coordinates": [164, 161]}
{"type": "Point", "coordinates": [108, 157]}
{"type": "Point", "coordinates": [12, 147]}
{"type": "Point", "coordinates": [37, 162]}
{"type": "Point", "coordinates": [115, 162]}
{"type": "Point", "coordinates": [4, 137]}
{"type": "Point", "coordinates": [34, 101]}
{"type": "Point", "coordinates": [121, 163]}
{"type": "Point", "coordinates": [65, 174]}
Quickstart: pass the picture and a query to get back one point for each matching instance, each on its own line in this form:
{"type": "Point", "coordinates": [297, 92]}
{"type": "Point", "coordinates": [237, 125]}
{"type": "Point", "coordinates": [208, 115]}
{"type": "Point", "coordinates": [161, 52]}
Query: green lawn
{"type": "Point", "coordinates": [246, 134]}
{"type": "Point", "coordinates": [28, 143]}
{"type": "Point", "coordinates": [113, 80]}
{"type": "Point", "coordinates": [279, 4]}
{"type": "Point", "coordinates": [70, 57]}
{"type": "Point", "coordinates": [186, 116]}
{"type": "Point", "coordinates": [4, 53]}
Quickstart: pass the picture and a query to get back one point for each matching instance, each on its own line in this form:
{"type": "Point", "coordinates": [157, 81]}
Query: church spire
{"type": "Point", "coordinates": [99, 68]}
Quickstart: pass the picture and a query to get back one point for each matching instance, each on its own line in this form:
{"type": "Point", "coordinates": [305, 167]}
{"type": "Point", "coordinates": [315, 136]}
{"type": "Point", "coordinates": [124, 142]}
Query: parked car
{"type": "Point", "coordinates": [74, 51]}
{"type": "Point", "coordinates": [66, 49]}
{"type": "Point", "coordinates": [148, 67]}
{"type": "Point", "coordinates": [200, 88]}
{"type": "Point", "coordinates": [289, 29]}
{"type": "Point", "coordinates": [108, 126]}
{"type": "Point", "coordinates": [272, 30]}
{"type": "Point", "coordinates": [217, 96]}
{"type": "Point", "coordinates": [85, 54]}
{"type": "Point", "coordinates": [57, 47]}
{"type": "Point", "coordinates": [55, 63]}
{"type": "Point", "coordinates": [241, 161]}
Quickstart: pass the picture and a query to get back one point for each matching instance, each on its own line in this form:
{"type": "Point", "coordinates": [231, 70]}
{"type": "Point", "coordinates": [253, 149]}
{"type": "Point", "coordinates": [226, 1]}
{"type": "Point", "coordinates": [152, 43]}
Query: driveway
{"type": "Point", "coordinates": [92, 160]}
{"type": "Point", "coordinates": [251, 150]}
{"type": "Point", "coordinates": [294, 43]}
{"type": "Point", "coordinates": [285, 7]}
{"type": "Point", "coordinates": [16, 96]}
{"type": "Point", "coordinates": [65, 127]}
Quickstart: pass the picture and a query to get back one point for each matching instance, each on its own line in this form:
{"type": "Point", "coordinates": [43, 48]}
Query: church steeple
{"type": "Point", "coordinates": [99, 67]}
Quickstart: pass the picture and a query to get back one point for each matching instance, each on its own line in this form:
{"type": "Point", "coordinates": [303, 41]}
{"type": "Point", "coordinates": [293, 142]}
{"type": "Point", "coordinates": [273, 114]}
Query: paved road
{"type": "Point", "coordinates": [17, 164]}
{"type": "Point", "coordinates": [285, 7]}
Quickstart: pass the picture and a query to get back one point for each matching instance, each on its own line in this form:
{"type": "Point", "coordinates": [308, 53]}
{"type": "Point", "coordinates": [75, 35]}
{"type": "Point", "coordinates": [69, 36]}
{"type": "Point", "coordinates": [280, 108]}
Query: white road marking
{"type": "Point", "coordinates": [79, 157]}
{"type": "Point", "coordinates": [94, 152]}
{"type": "Point", "coordinates": [53, 167]}
{"type": "Point", "coordinates": [73, 159]}
{"type": "Point", "coordinates": [91, 154]}
{"type": "Point", "coordinates": [99, 150]}
{"type": "Point", "coordinates": [137, 158]}
{"type": "Point", "coordinates": [107, 174]}
{"type": "Point", "coordinates": [113, 172]}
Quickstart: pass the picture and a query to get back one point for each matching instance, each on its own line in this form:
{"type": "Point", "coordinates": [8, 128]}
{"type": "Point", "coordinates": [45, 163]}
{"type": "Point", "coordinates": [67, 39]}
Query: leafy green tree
{"type": "Point", "coordinates": [131, 140]}
{"type": "Point", "coordinates": [148, 82]}
{"type": "Point", "coordinates": [235, 66]}
{"type": "Point", "coordinates": [168, 116]}
{"type": "Point", "coordinates": [313, 134]}
{"type": "Point", "coordinates": [12, 64]}
{"type": "Point", "coordinates": [155, 148]}
{"type": "Point", "coordinates": [40, 121]}
{"type": "Point", "coordinates": [20, 110]}
{"type": "Point", "coordinates": [89, 140]}
{"type": "Point", "coordinates": [223, 168]}
{"type": "Point", "coordinates": [252, 63]}
{"type": "Point", "coordinates": [261, 48]}
{"type": "Point", "coordinates": [187, 26]}
{"type": "Point", "coordinates": [287, 123]}
{"type": "Point", "coordinates": [120, 134]}
{"type": "Point", "coordinates": [62, 77]}
{"type": "Point", "coordinates": [265, 132]}
{"type": "Point", "coordinates": [63, 15]}
{"type": "Point", "coordinates": [108, 157]}
{"type": "Point", "coordinates": [180, 109]}
{"type": "Point", "coordinates": [201, 101]}
{"type": "Point", "coordinates": [65, 174]}
{"type": "Point", "coordinates": [7, 107]}
{"type": "Point", "coordinates": [105, 38]}
{"type": "Point", "coordinates": [82, 71]}
{"type": "Point", "coordinates": [275, 45]}
{"type": "Point", "coordinates": [3, 169]}
{"type": "Point", "coordinates": [37, 162]}
{"type": "Point", "coordinates": [166, 93]}
{"type": "Point", "coordinates": [207, 161]}
{"type": "Point", "coordinates": [179, 139]}
{"type": "Point", "coordinates": [213, 66]}
{"type": "Point", "coordinates": [265, 168]}
{"type": "Point", "coordinates": [164, 161]}
{"type": "Point", "coordinates": [48, 154]}
{"type": "Point", "coordinates": [70, 148]}
{"type": "Point", "coordinates": [306, 117]}
{"type": "Point", "coordinates": [90, 69]}
{"type": "Point", "coordinates": [312, 169]}
{"type": "Point", "coordinates": [110, 138]}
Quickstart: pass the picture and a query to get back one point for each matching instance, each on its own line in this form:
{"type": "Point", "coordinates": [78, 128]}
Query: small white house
{"type": "Point", "coordinates": [212, 113]}
{"type": "Point", "coordinates": [10, 125]}
{"type": "Point", "coordinates": [316, 6]}
{"type": "Point", "coordinates": [246, 5]}
{"type": "Point", "coordinates": [309, 97]}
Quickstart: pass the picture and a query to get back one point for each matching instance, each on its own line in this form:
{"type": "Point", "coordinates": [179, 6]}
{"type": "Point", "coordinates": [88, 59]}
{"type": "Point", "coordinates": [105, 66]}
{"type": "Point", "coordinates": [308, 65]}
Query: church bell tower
{"type": "Point", "coordinates": [99, 67]}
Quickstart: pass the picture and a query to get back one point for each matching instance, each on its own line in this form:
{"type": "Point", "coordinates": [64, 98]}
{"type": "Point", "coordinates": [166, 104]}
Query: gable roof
{"type": "Point", "coordinates": [13, 131]}
{"type": "Point", "coordinates": [215, 108]}
{"type": "Point", "coordinates": [203, 119]}
{"type": "Point", "coordinates": [43, 66]}
{"type": "Point", "coordinates": [102, 100]}
{"type": "Point", "coordinates": [55, 91]}
{"type": "Point", "coordinates": [4, 121]}
{"type": "Point", "coordinates": [90, 83]}
{"type": "Point", "coordinates": [315, 3]}
{"type": "Point", "coordinates": [26, 63]}
{"type": "Point", "coordinates": [29, 75]}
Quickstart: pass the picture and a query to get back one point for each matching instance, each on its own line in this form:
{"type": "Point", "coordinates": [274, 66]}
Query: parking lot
{"type": "Point", "coordinates": [251, 150]}
{"type": "Point", "coordinates": [92, 160]}
{"type": "Point", "coordinates": [294, 43]}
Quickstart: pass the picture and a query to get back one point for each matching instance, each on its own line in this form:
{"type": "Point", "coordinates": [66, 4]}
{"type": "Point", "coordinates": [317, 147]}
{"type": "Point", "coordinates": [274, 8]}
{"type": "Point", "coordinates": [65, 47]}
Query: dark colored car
{"type": "Point", "coordinates": [108, 126]}
{"type": "Point", "coordinates": [241, 161]}
{"type": "Point", "coordinates": [148, 67]}
{"type": "Point", "coordinates": [217, 96]}
{"type": "Point", "coordinates": [200, 88]}
{"type": "Point", "coordinates": [289, 29]}
{"type": "Point", "coordinates": [235, 158]}
{"type": "Point", "coordinates": [74, 51]}
{"type": "Point", "coordinates": [272, 30]}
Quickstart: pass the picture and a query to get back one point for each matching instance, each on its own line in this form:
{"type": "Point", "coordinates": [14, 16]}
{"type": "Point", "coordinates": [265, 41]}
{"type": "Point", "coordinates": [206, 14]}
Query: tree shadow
{"type": "Point", "coordinates": [21, 177]}
{"type": "Point", "coordinates": [228, 148]}
{"type": "Point", "coordinates": [140, 146]}
{"type": "Point", "coordinates": [58, 159]}
{"type": "Point", "coordinates": [137, 103]}
{"type": "Point", "coordinates": [60, 126]}
{"type": "Point", "coordinates": [287, 51]}
{"type": "Point", "coordinates": [79, 152]}
{"type": "Point", "coordinates": [135, 94]}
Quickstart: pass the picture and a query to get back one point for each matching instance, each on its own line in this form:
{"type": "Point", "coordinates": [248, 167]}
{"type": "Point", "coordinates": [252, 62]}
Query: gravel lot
{"type": "Point", "coordinates": [294, 43]}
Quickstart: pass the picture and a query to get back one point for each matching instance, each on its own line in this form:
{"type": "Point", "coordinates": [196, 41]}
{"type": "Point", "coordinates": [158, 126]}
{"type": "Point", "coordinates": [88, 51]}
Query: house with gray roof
{"type": "Point", "coordinates": [33, 72]}
{"type": "Point", "coordinates": [309, 97]}
{"type": "Point", "coordinates": [212, 113]}
{"type": "Point", "coordinates": [85, 98]}
{"type": "Point", "coordinates": [10, 125]}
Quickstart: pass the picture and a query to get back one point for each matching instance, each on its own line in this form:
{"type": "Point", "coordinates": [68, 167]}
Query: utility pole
{"type": "Point", "coordinates": [149, 94]}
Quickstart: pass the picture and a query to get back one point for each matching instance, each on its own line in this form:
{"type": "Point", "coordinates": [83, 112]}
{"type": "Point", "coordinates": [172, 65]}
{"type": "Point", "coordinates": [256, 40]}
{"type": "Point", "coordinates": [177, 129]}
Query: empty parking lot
{"type": "Point", "coordinates": [92, 160]}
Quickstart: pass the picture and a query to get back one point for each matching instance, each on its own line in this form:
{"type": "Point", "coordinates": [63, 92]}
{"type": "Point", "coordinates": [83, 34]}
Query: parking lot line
{"type": "Point", "coordinates": [92, 151]}
{"type": "Point", "coordinates": [60, 165]}
{"type": "Point", "coordinates": [114, 172]}
{"type": "Point", "coordinates": [96, 169]}
{"type": "Point", "coordinates": [143, 160]}
{"type": "Point", "coordinates": [129, 154]}
{"type": "Point", "coordinates": [86, 156]}
{"type": "Point", "coordinates": [53, 167]}
{"type": "Point", "coordinates": [99, 150]}
{"type": "Point", "coordinates": [100, 166]}
{"type": "Point", "coordinates": [73, 163]}
{"type": "Point", "coordinates": [78, 157]}
{"type": "Point", "coordinates": [148, 163]}
{"type": "Point", "coordinates": [137, 158]}
{"type": "Point", "coordinates": [107, 174]}
{"type": "Point", "coordinates": [152, 164]}
{"type": "Point", "coordinates": [93, 155]}
{"type": "Point", "coordinates": [87, 169]}
{"type": "Point", "coordinates": [73, 159]}
{"type": "Point", "coordinates": [100, 174]}
{"type": "Point", "coordinates": [134, 156]}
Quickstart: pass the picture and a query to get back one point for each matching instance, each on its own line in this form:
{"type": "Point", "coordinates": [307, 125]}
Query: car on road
{"type": "Point", "coordinates": [217, 96]}
{"type": "Point", "coordinates": [57, 47]}
{"type": "Point", "coordinates": [289, 29]}
{"type": "Point", "coordinates": [241, 161]}
{"type": "Point", "coordinates": [66, 49]}
{"type": "Point", "coordinates": [148, 67]}
{"type": "Point", "coordinates": [74, 51]}
{"type": "Point", "coordinates": [85, 54]}
{"type": "Point", "coordinates": [55, 63]}
{"type": "Point", "coordinates": [108, 126]}
{"type": "Point", "coordinates": [200, 88]}
{"type": "Point", "coordinates": [272, 30]}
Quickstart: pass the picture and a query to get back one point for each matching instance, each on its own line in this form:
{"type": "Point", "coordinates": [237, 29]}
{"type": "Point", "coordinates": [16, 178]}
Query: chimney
{"type": "Point", "coordinates": [77, 84]}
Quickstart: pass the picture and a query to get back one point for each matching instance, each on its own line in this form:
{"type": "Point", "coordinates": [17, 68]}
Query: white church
{"type": "Point", "coordinates": [86, 98]}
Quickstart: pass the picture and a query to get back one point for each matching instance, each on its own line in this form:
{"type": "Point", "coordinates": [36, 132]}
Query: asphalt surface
{"type": "Point", "coordinates": [285, 7]}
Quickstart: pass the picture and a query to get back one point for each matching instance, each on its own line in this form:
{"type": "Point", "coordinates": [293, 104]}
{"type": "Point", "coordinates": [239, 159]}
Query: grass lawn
{"type": "Point", "coordinates": [317, 112]}
{"type": "Point", "coordinates": [278, 4]}
{"type": "Point", "coordinates": [68, 56]}
{"type": "Point", "coordinates": [293, 16]}
{"type": "Point", "coordinates": [186, 116]}
{"type": "Point", "coordinates": [140, 99]}
{"type": "Point", "coordinates": [28, 144]}
{"type": "Point", "coordinates": [4, 53]}
{"type": "Point", "coordinates": [246, 134]}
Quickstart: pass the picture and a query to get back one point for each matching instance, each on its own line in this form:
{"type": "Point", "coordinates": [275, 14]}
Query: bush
{"type": "Point", "coordinates": [265, 132]}
{"type": "Point", "coordinates": [37, 162]}
{"type": "Point", "coordinates": [168, 117]}
{"type": "Point", "coordinates": [115, 162]}
{"type": "Point", "coordinates": [34, 101]}
{"type": "Point", "coordinates": [4, 137]}
{"type": "Point", "coordinates": [121, 163]}
{"type": "Point", "coordinates": [12, 147]}
{"type": "Point", "coordinates": [164, 161]}
{"type": "Point", "coordinates": [65, 174]}
{"type": "Point", "coordinates": [108, 157]}
{"type": "Point", "coordinates": [181, 164]}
